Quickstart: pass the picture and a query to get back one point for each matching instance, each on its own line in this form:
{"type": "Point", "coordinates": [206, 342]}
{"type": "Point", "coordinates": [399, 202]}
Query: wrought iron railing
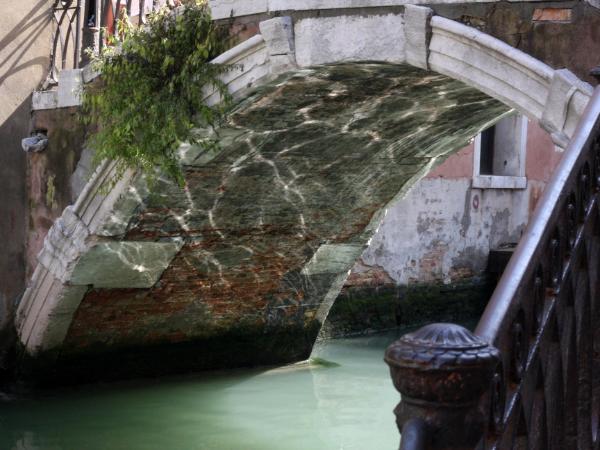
{"type": "Point", "coordinates": [79, 25]}
{"type": "Point", "coordinates": [529, 377]}
{"type": "Point", "coordinates": [66, 36]}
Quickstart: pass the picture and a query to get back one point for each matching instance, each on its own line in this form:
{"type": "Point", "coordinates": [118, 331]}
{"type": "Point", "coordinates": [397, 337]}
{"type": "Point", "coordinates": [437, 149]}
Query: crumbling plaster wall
{"type": "Point", "coordinates": [49, 182]}
{"type": "Point", "coordinates": [443, 230]}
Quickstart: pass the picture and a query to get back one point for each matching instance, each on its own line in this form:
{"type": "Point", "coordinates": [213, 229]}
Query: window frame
{"type": "Point", "coordinates": [518, 181]}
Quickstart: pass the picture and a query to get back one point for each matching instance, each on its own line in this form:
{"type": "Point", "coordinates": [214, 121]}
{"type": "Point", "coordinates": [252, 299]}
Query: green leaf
{"type": "Point", "coordinates": [150, 90]}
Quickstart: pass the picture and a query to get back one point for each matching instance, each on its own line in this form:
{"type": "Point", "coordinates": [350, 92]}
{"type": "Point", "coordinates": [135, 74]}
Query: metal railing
{"type": "Point", "coordinates": [79, 25]}
{"type": "Point", "coordinates": [529, 377]}
{"type": "Point", "coordinates": [66, 36]}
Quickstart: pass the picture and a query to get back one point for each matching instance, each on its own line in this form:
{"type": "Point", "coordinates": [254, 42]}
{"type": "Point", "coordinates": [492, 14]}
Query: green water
{"type": "Point", "coordinates": [345, 403]}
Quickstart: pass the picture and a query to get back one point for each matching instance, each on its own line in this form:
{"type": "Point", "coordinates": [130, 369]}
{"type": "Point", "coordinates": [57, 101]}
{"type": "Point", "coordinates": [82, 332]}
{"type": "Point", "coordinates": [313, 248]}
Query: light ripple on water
{"type": "Point", "coordinates": [341, 399]}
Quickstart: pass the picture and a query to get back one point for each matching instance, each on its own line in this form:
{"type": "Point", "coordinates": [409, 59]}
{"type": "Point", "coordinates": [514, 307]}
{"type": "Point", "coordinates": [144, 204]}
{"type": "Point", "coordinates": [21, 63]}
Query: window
{"type": "Point", "coordinates": [499, 157]}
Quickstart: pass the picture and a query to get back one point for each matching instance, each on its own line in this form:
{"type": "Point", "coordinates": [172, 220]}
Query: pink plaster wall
{"type": "Point", "coordinates": [459, 165]}
{"type": "Point", "coordinates": [542, 158]}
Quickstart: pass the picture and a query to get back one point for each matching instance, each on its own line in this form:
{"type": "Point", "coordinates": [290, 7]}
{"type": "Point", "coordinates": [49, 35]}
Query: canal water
{"type": "Point", "coordinates": [343, 399]}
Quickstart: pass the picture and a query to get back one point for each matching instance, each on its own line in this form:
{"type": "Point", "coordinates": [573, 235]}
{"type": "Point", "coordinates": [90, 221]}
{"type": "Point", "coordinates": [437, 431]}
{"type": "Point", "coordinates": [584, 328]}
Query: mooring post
{"type": "Point", "coordinates": [441, 372]}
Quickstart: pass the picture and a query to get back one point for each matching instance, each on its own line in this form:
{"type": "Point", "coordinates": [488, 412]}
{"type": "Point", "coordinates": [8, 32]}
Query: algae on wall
{"type": "Point", "coordinates": [362, 310]}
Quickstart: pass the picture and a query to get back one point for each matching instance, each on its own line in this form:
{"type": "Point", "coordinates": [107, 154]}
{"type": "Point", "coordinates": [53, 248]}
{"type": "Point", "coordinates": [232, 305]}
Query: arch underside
{"type": "Point", "coordinates": [269, 224]}
{"type": "Point", "coordinates": [241, 266]}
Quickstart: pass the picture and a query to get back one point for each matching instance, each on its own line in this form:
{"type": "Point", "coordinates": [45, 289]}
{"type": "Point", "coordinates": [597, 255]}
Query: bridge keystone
{"type": "Point", "coordinates": [278, 34]}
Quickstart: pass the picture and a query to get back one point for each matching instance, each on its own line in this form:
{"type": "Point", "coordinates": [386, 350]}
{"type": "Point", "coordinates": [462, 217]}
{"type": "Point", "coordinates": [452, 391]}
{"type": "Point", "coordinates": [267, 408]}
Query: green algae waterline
{"type": "Point", "coordinates": [343, 399]}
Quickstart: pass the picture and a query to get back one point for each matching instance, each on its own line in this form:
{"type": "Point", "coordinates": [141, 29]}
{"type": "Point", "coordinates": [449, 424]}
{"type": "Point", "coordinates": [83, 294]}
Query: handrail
{"type": "Point", "coordinates": [545, 213]}
{"type": "Point", "coordinates": [536, 349]}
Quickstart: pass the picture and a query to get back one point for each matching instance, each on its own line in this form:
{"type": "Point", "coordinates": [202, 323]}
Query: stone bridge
{"type": "Point", "coordinates": [340, 111]}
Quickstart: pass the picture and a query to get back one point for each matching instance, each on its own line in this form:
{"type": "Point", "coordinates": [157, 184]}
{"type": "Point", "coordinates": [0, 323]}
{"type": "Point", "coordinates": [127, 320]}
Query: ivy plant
{"type": "Point", "coordinates": [150, 94]}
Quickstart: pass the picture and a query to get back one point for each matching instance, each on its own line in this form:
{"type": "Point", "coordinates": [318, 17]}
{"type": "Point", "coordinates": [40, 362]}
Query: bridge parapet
{"type": "Point", "coordinates": [225, 9]}
{"type": "Point", "coordinates": [382, 32]}
{"type": "Point", "coordinates": [416, 36]}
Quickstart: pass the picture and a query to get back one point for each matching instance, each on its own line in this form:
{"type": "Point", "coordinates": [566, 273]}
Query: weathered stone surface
{"type": "Point", "coordinates": [250, 63]}
{"type": "Point", "coordinates": [41, 319]}
{"type": "Point", "coordinates": [124, 264]}
{"type": "Point", "coordinates": [43, 326]}
{"type": "Point", "coordinates": [70, 87]}
{"type": "Point", "coordinates": [337, 258]}
{"type": "Point", "coordinates": [570, 44]}
{"type": "Point", "coordinates": [44, 100]}
{"type": "Point", "coordinates": [350, 38]}
{"type": "Point", "coordinates": [223, 9]}
{"type": "Point", "coordinates": [442, 45]}
{"type": "Point", "coordinates": [278, 33]}
{"type": "Point", "coordinates": [563, 88]}
{"type": "Point", "coordinates": [65, 242]}
{"type": "Point", "coordinates": [236, 265]}
{"type": "Point", "coordinates": [49, 190]}
{"type": "Point", "coordinates": [81, 174]}
{"type": "Point", "coordinates": [68, 92]}
{"type": "Point", "coordinates": [494, 67]}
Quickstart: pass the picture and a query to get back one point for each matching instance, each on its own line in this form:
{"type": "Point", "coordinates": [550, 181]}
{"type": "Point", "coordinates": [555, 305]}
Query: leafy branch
{"type": "Point", "coordinates": [151, 92]}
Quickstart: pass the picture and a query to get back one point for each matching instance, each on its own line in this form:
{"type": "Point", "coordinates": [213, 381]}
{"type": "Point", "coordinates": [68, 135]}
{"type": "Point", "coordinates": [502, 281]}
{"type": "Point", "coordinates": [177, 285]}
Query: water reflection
{"type": "Point", "coordinates": [344, 404]}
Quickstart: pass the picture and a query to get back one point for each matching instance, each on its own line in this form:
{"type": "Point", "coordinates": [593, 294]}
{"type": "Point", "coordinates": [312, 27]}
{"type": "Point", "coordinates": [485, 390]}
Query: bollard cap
{"type": "Point", "coordinates": [442, 362]}
{"type": "Point", "coordinates": [439, 345]}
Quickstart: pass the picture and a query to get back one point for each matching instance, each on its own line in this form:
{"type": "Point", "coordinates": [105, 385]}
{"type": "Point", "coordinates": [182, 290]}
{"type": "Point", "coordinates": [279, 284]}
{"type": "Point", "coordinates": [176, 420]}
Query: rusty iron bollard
{"type": "Point", "coordinates": [441, 372]}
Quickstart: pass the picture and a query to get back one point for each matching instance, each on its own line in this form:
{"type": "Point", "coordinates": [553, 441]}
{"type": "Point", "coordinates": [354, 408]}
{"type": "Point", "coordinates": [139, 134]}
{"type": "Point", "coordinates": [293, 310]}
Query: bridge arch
{"type": "Point", "coordinates": [555, 98]}
{"type": "Point", "coordinates": [101, 246]}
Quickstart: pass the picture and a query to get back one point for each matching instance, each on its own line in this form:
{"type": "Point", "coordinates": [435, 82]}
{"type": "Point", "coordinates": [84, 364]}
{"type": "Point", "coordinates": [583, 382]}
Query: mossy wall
{"type": "Point", "coordinates": [49, 173]}
{"type": "Point", "coordinates": [363, 310]}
